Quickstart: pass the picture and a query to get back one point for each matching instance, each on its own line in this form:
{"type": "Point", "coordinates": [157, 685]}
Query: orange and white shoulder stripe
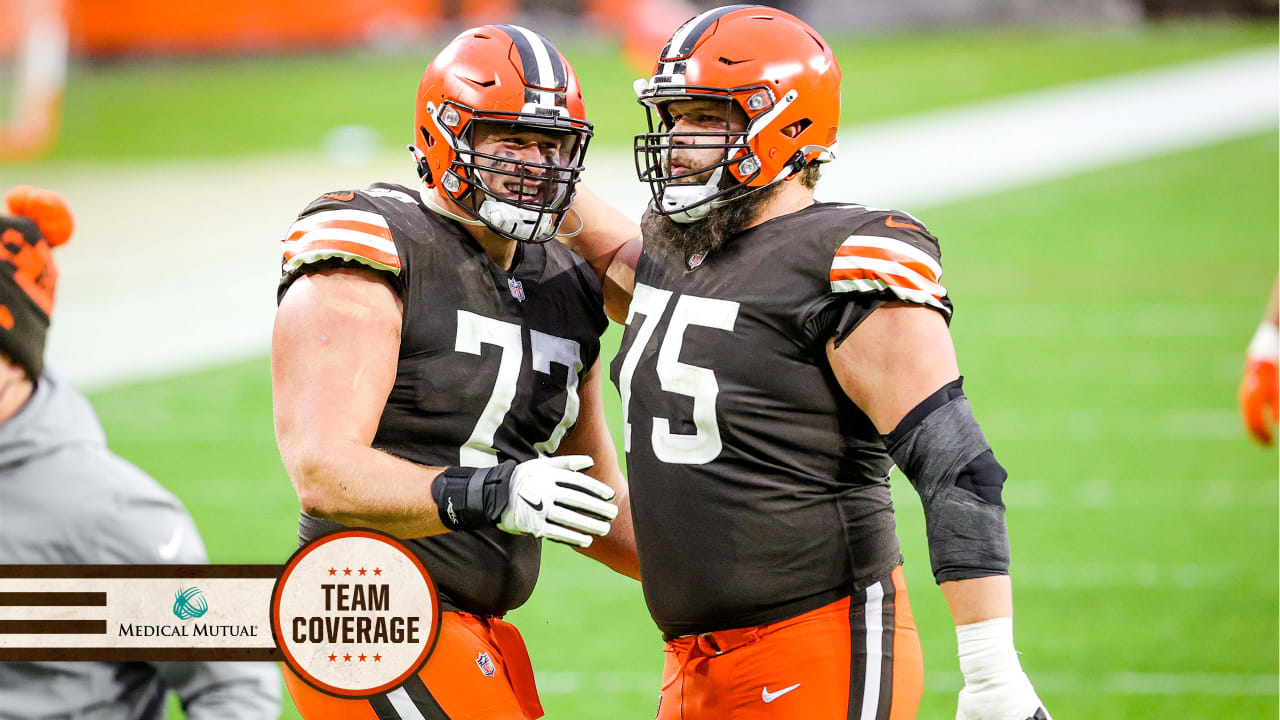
{"type": "Point", "coordinates": [869, 263]}
{"type": "Point", "coordinates": [357, 235]}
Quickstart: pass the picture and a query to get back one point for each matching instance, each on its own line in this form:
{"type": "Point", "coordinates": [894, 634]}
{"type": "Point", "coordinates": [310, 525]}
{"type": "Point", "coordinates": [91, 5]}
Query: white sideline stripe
{"type": "Point", "coordinates": [360, 216]}
{"type": "Point", "coordinates": [343, 235]}
{"type": "Point", "coordinates": [1134, 575]}
{"type": "Point", "coordinates": [566, 682]}
{"type": "Point", "coordinates": [874, 618]}
{"type": "Point", "coordinates": [1131, 683]}
{"type": "Point", "coordinates": [1207, 494]}
{"type": "Point", "coordinates": [222, 306]}
{"type": "Point", "coordinates": [1206, 318]}
{"type": "Point", "coordinates": [403, 704]}
{"type": "Point", "coordinates": [1092, 425]}
{"type": "Point", "coordinates": [1052, 133]}
{"type": "Point", "coordinates": [897, 246]}
{"type": "Point", "coordinates": [891, 267]}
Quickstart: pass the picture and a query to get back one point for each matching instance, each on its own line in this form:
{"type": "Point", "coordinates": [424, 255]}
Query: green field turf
{"type": "Point", "coordinates": [200, 109]}
{"type": "Point", "coordinates": [1101, 322]}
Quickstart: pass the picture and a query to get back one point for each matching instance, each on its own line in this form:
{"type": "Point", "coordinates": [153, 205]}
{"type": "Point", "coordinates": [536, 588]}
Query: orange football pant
{"type": "Point", "coordinates": [858, 658]}
{"type": "Point", "coordinates": [479, 670]}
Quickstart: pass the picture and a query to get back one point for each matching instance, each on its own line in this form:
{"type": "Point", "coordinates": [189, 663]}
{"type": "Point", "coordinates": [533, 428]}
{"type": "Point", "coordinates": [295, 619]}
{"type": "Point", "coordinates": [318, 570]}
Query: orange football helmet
{"type": "Point", "coordinates": [771, 65]}
{"type": "Point", "coordinates": [510, 75]}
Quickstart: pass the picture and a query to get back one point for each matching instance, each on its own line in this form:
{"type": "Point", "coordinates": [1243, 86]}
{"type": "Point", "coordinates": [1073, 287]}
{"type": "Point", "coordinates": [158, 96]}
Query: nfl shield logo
{"type": "Point", "coordinates": [696, 259]}
{"type": "Point", "coordinates": [517, 290]}
{"type": "Point", "coordinates": [485, 664]}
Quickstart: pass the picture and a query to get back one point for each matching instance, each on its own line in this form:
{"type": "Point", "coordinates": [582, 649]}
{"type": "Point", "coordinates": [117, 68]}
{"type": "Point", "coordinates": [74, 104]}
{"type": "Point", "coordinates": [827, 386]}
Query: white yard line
{"type": "Point", "coordinates": [1131, 683]}
{"type": "Point", "coordinates": [1186, 577]}
{"type": "Point", "coordinates": [1226, 494]}
{"type": "Point", "coordinates": [567, 682]}
{"type": "Point", "coordinates": [1091, 425]}
{"type": "Point", "coordinates": [174, 265]}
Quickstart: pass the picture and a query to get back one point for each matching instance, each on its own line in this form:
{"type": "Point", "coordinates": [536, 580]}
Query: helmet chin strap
{"type": "Point", "coordinates": [678, 197]}
{"type": "Point", "coordinates": [495, 214]}
{"type": "Point", "coordinates": [428, 196]}
{"type": "Point", "coordinates": [528, 225]}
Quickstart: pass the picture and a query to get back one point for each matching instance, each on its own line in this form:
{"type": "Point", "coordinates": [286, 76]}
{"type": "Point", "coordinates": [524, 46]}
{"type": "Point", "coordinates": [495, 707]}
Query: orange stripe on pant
{"type": "Point", "coordinates": [452, 675]}
{"type": "Point", "coordinates": [797, 668]}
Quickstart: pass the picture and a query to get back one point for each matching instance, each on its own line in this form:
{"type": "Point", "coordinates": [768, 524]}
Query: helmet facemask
{"type": "Point", "coordinates": [690, 195]}
{"type": "Point", "coordinates": [516, 198]}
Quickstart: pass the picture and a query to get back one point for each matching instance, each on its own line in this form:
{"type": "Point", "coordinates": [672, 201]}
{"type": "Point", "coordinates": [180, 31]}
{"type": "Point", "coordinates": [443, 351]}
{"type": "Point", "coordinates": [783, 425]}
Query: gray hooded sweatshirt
{"type": "Point", "coordinates": [66, 499]}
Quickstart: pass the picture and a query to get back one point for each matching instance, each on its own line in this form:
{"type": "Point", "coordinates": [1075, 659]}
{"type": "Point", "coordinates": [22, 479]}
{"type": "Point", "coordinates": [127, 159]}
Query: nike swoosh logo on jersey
{"type": "Point", "coordinates": [890, 222]}
{"type": "Point", "coordinates": [537, 507]}
{"type": "Point", "coordinates": [340, 197]}
{"type": "Point", "coordinates": [169, 550]}
{"type": "Point", "coordinates": [769, 697]}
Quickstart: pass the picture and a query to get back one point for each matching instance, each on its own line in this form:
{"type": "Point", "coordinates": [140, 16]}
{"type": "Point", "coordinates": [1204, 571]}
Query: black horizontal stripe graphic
{"type": "Point", "coordinates": [153, 654]}
{"type": "Point", "coordinates": [53, 627]}
{"type": "Point", "coordinates": [141, 571]}
{"type": "Point", "coordinates": [53, 599]}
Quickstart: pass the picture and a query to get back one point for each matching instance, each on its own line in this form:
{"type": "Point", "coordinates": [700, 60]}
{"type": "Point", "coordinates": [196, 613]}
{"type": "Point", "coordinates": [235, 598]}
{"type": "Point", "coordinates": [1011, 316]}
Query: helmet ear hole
{"type": "Point", "coordinates": [794, 129]}
{"type": "Point", "coordinates": [424, 168]}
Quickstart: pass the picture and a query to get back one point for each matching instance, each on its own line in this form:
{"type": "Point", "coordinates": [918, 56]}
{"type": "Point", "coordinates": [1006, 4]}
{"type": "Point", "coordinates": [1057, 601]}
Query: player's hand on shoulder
{"type": "Point", "coordinates": [548, 497]}
{"type": "Point", "coordinates": [995, 687]}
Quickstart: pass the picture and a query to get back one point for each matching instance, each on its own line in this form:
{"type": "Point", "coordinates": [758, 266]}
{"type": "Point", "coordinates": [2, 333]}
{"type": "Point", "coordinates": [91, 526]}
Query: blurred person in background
{"type": "Point", "coordinates": [436, 370]}
{"type": "Point", "coordinates": [780, 357]}
{"type": "Point", "coordinates": [1259, 390]}
{"type": "Point", "coordinates": [65, 498]}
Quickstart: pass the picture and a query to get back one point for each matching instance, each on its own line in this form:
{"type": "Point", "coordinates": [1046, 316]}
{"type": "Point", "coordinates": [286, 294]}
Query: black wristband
{"type": "Point", "coordinates": [468, 498]}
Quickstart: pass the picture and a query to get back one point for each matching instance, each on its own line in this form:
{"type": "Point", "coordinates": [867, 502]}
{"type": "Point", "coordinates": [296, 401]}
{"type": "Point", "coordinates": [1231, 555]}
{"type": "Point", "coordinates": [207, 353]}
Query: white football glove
{"type": "Point", "coordinates": [995, 687]}
{"type": "Point", "coordinates": [549, 498]}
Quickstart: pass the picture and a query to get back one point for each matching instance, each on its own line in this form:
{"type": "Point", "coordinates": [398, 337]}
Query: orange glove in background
{"type": "Point", "coordinates": [1259, 389]}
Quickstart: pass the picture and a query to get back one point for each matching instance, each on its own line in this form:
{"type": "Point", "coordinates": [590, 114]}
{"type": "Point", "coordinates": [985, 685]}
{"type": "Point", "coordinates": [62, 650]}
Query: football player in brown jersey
{"type": "Point", "coordinates": [436, 369]}
{"type": "Point", "coordinates": [780, 356]}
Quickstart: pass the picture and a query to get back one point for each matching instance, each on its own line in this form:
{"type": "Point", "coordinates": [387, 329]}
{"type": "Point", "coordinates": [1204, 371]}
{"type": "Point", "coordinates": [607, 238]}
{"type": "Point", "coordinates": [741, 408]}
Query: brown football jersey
{"type": "Point", "coordinates": [490, 362]}
{"type": "Point", "coordinates": [759, 490]}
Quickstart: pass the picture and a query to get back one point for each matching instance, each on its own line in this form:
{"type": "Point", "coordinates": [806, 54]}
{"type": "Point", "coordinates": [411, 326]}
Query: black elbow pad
{"type": "Point", "coordinates": [944, 454]}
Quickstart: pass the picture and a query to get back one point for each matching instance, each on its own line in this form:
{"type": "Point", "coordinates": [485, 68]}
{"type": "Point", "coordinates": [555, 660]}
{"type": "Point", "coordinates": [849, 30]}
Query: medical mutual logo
{"type": "Point", "coordinates": [189, 603]}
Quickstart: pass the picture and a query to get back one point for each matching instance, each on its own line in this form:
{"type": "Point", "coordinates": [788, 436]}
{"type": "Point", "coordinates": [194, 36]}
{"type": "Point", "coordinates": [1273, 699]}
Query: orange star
{"type": "Point", "coordinates": [377, 571]}
{"type": "Point", "coordinates": [346, 571]}
{"type": "Point", "coordinates": [362, 571]}
{"type": "Point", "coordinates": [362, 657]}
{"type": "Point", "coordinates": [347, 657]}
{"type": "Point", "coordinates": [377, 658]}
{"type": "Point", "coordinates": [333, 571]}
{"type": "Point", "coordinates": [333, 658]}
